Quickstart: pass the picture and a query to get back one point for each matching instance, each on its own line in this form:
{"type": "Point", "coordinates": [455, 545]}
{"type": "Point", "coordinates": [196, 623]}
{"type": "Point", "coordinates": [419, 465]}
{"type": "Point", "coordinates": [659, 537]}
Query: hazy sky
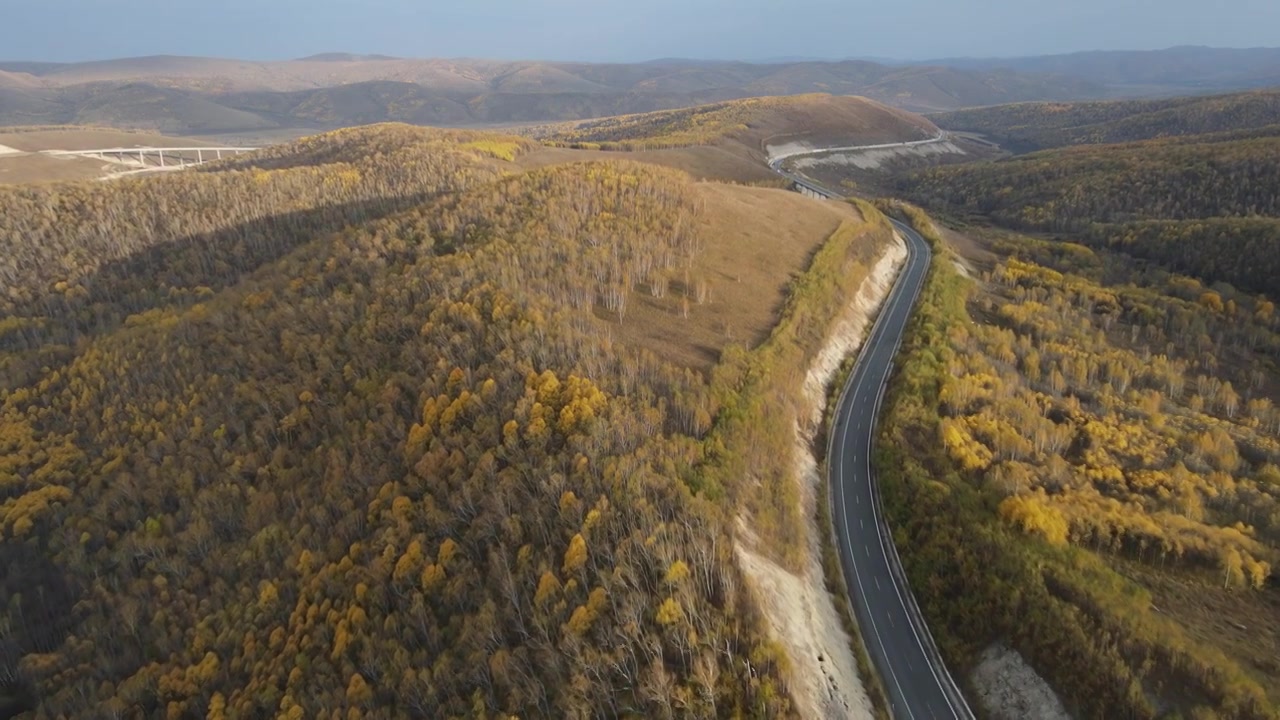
{"type": "Point", "coordinates": [622, 30]}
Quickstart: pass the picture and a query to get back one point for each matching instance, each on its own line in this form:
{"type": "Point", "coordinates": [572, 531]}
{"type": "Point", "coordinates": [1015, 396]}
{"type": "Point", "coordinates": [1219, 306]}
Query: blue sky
{"type": "Point", "coordinates": [622, 30]}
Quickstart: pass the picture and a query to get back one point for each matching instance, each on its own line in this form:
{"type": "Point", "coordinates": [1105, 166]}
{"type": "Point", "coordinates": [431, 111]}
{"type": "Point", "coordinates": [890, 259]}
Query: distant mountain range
{"type": "Point", "coordinates": [1185, 67]}
{"type": "Point", "coordinates": [195, 95]}
{"type": "Point", "coordinates": [185, 94]}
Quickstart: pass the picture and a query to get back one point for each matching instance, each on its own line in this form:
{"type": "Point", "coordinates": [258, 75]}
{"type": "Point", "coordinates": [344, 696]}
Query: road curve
{"type": "Point", "coordinates": [893, 630]}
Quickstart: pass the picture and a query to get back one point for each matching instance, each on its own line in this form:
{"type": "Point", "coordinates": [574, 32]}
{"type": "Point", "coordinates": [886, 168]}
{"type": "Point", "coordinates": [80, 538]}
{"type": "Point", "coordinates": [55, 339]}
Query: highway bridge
{"type": "Point", "coordinates": [152, 159]}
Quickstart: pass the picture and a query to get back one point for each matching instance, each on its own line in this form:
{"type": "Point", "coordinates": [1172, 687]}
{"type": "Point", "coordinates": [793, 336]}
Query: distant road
{"type": "Point", "coordinates": [893, 630]}
{"type": "Point", "coordinates": [776, 160]}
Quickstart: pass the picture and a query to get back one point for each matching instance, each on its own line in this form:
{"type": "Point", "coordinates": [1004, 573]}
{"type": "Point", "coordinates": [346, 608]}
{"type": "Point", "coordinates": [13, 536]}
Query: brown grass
{"type": "Point", "coordinates": [705, 162]}
{"type": "Point", "coordinates": [19, 169]}
{"type": "Point", "coordinates": [756, 240]}
{"type": "Point", "coordinates": [1241, 624]}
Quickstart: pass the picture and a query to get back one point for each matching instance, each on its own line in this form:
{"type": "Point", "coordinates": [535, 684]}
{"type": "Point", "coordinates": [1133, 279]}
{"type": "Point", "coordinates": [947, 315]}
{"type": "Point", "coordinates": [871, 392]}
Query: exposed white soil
{"type": "Point", "coordinates": [1009, 689]}
{"type": "Point", "coordinates": [874, 158]}
{"type": "Point", "coordinates": [783, 150]}
{"type": "Point", "coordinates": [801, 613]}
{"type": "Point", "coordinates": [6, 150]}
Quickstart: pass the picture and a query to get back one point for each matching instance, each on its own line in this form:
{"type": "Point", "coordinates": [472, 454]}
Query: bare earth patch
{"type": "Point", "coordinates": [800, 611]}
{"type": "Point", "coordinates": [1009, 689]}
{"type": "Point", "coordinates": [22, 168]}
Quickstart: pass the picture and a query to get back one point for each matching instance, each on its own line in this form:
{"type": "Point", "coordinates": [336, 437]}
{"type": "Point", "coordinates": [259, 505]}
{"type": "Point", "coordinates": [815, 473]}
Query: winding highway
{"type": "Point", "coordinates": [893, 630]}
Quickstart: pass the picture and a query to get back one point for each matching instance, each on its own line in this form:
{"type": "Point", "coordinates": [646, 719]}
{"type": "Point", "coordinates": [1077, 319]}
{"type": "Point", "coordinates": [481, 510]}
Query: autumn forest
{"type": "Point", "coordinates": [1094, 378]}
{"type": "Point", "coordinates": [268, 454]}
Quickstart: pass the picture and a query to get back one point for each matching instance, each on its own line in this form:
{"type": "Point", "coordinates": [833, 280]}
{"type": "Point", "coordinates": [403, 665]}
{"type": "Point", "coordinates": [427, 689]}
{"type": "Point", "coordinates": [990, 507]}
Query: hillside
{"type": "Point", "coordinates": [210, 94]}
{"type": "Point", "coordinates": [336, 425]}
{"type": "Point", "coordinates": [821, 120]}
{"type": "Point", "coordinates": [1080, 460]}
{"type": "Point", "coordinates": [1033, 126]}
{"type": "Point", "coordinates": [1202, 205]}
{"type": "Point", "coordinates": [17, 80]}
{"type": "Point", "coordinates": [1098, 398]}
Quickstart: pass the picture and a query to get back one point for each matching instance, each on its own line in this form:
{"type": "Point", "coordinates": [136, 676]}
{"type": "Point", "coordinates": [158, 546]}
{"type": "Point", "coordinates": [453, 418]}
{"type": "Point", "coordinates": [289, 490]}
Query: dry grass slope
{"type": "Point", "coordinates": [755, 240]}
{"type": "Point", "coordinates": [822, 119]}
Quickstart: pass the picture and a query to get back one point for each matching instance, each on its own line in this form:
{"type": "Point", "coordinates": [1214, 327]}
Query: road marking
{"type": "Point", "coordinates": [858, 578]}
{"type": "Point", "coordinates": [884, 550]}
{"type": "Point", "coordinates": [858, 387]}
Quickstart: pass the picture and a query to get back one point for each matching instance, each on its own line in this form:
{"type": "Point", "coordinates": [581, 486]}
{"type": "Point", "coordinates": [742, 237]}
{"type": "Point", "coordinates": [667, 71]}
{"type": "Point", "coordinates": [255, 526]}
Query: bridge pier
{"type": "Point", "coordinates": [124, 156]}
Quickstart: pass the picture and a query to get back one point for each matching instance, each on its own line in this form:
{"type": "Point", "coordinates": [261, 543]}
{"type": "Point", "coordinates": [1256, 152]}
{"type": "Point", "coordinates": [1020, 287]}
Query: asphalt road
{"type": "Point", "coordinates": [893, 631]}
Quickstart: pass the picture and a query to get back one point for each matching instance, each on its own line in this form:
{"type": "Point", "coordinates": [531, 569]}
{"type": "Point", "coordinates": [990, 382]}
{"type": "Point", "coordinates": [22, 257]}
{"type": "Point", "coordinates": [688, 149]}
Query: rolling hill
{"type": "Point", "coordinates": [821, 120]}
{"type": "Point", "coordinates": [399, 403]}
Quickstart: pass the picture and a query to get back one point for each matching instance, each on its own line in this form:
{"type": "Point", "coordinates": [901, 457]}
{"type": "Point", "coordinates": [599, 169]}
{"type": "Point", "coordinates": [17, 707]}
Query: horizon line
{"type": "Point", "coordinates": [780, 59]}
